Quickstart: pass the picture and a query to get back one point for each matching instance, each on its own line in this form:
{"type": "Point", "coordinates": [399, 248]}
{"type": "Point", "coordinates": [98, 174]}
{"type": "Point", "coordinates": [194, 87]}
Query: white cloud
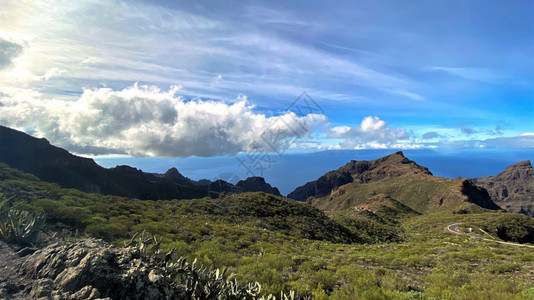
{"type": "Point", "coordinates": [15, 63]}
{"type": "Point", "coordinates": [371, 129]}
{"type": "Point", "coordinates": [144, 120]}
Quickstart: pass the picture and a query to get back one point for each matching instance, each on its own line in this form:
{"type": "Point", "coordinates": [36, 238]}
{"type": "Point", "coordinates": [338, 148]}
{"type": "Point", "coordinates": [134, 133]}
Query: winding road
{"type": "Point", "coordinates": [453, 228]}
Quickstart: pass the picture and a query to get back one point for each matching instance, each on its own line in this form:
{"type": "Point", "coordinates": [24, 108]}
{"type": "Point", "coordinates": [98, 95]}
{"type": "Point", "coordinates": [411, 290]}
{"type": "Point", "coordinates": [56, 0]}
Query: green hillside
{"type": "Point", "coordinates": [422, 193]}
{"type": "Point", "coordinates": [286, 245]}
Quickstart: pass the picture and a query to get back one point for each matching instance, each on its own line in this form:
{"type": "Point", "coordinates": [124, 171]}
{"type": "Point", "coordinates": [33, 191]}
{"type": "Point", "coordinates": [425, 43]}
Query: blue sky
{"type": "Point", "coordinates": [209, 79]}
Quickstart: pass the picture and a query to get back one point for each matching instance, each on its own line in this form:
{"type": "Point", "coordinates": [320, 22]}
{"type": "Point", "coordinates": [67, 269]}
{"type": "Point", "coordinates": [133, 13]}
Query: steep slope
{"type": "Point", "coordinates": [393, 176]}
{"type": "Point", "coordinates": [54, 164]}
{"type": "Point", "coordinates": [512, 189]}
{"type": "Point", "coordinates": [50, 163]}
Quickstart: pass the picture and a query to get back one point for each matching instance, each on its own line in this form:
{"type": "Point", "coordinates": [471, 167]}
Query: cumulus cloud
{"type": "Point", "coordinates": [144, 120]}
{"type": "Point", "coordinates": [372, 128]}
{"type": "Point", "coordinates": [372, 131]}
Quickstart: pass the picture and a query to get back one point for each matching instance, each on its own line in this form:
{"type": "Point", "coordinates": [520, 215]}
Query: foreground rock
{"type": "Point", "coordinates": [89, 269]}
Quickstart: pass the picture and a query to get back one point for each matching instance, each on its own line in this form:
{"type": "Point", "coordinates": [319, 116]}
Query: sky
{"type": "Point", "coordinates": [187, 79]}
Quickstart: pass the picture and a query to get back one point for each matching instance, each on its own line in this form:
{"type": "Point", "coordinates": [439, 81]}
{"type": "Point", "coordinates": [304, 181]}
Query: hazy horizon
{"type": "Point", "coordinates": [292, 170]}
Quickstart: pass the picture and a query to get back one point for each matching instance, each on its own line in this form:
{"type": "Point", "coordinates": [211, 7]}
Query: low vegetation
{"type": "Point", "coordinates": [287, 246]}
{"type": "Point", "coordinates": [18, 225]}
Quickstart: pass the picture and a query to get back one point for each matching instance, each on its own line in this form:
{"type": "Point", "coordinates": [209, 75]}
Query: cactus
{"type": "Point", "coordinates": [18, 225]}
{"type": "Point", "coordinates": [199, 282]}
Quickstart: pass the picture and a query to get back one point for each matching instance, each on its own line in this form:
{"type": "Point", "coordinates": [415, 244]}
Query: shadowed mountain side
{"type": "Point", "coordinates": [54, 164]}
{"type": "Point", "coordinates": [512, 189]}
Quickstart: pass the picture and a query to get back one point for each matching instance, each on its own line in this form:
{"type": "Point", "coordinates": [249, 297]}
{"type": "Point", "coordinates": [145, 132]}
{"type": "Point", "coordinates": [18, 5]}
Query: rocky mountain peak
{"type": "Point", "coordinates": [364, 171]}
{"type": "Point", "coordinates": [124, 169]}
{"type": "Point", "coordinates": [525, 165]}
{"type": "Point", "coordinates": [173, 173]}
{"type": "Point", "coordinates": [255, 183]}
{"type": "Point", "coordinates": [513, 188]}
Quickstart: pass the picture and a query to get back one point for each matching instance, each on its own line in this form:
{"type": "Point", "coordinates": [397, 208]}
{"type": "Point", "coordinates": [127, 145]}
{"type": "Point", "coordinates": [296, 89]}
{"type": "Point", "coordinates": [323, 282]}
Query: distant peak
{"type": "Point", "coordinates": [525, 164]}
{"type": "Point", "coordinates": [172, 170]}
{"type": "Point", "coordinates": [400, 153]}
{"type": "Point", "coordinates": [172, 173]}
{"type": "Point", "coordinates": [255, 179]}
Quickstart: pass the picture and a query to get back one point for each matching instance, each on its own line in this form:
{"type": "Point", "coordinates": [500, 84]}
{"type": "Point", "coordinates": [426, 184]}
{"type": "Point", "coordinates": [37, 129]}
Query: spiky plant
{"type": "Point", "coordinates": [18, 225]}
{"type": "Point", "coordinates": [199, 282]}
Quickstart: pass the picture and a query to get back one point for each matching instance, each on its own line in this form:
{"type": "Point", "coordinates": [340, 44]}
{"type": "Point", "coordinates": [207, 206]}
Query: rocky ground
{"type": "Point", "coordinates": [88, 269]}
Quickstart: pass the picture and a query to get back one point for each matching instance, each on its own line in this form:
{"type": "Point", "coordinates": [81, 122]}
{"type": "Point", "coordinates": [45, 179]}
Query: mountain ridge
{"type": "Point", "coordinates": [357, 171]}
{"type": "Point", "coordinates": [512, 188]}
{"type": "Point", "coordinates": [394, 176]}
{"type": "Point", "coordinates": [54, 164]}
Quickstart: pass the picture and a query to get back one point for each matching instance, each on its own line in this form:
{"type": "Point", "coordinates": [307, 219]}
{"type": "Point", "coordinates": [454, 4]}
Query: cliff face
{"type": "Point", "coordinates": [512, 189]}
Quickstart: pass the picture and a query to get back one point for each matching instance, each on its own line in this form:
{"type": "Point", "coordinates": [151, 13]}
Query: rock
{"type": "Point", "coordinates": [41, 288]}
{"type": "Point", "coordinates": [88, 269]}
{"type": "Point", "coordinates": [257, 184]}
{"type": "Point", "coordinates": [26, 251]}
{"type": "Point", "coordinates": [87, 292]}
{"type": "Point", "coordinates": [512, 189]}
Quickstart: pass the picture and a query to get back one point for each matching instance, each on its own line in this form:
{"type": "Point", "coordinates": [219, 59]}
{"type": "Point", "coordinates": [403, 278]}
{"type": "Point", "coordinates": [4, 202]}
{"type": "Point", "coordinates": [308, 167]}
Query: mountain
{"type": "Point", "coordinates": [360, 172]}
{"type": "Point", "coordinates": [257, 184]}
{"type": "Point", "coordinates": [54, 164]}
{"type": "Point", "coordinates": [512, 189]}
{"type": "Point", "coordinates": [394, 176]}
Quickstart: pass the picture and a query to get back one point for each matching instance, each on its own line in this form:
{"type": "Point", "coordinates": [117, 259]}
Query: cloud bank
{"type": "Point", "coordinates": [146, 121]}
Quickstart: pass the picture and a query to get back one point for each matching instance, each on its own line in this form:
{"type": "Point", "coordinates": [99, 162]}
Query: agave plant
{"type": "Point", "coordinates": [199, 282]}
{"type": "Point", "coordinates": [18, 225]}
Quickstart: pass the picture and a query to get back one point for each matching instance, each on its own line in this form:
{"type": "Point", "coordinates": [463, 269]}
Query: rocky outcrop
{"type": "Point", "coordinates": [257, 184]}
{"type": "Point", "coordinates": [89, 269]}
{"type": "Point", "coordinates": [512, 189]}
